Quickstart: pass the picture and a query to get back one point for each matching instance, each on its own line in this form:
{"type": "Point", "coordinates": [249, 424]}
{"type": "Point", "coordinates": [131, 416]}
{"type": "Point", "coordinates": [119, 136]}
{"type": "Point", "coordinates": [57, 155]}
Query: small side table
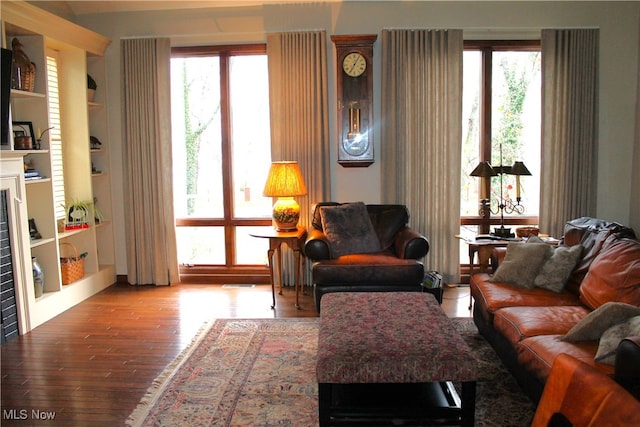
{"type": "Point", "coordinates": [295, 240]}
{"type": "Point", "coordinates": [483, 247]}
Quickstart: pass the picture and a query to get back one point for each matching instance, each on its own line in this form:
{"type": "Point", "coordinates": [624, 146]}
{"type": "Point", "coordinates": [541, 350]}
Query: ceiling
{"type": "Point", "coordinates": [83, 7]}
{"type": "Point", "coordinates": [92, 6]}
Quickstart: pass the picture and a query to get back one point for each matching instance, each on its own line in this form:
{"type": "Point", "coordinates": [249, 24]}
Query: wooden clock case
{"type": "Point", "coordinates": [355, 102]}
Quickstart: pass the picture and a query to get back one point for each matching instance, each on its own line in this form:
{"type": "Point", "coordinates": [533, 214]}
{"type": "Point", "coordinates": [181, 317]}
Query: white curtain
{"type": "Point", "coordinates": [634, 212]}
{"type": "Point", "coordinates": [569, 127]}
{"type": "Point", "coordinates": [421, 136]}
{"type": "Point", "coordinates": [146, 109]}
{"type": "Point", "coordinates": [298, 94]}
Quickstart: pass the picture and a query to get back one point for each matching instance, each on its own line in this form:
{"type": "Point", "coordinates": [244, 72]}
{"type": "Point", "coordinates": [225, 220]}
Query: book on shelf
{"type": "Point", "coordinates": [432, 279]}
{"type": "Point", "coordinates": [32, 175]}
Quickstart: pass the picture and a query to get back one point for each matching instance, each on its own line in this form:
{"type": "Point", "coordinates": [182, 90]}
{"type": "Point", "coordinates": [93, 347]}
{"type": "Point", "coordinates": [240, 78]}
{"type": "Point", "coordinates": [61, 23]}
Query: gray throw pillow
{"type": "Point", "coordinates": [611, 338]}
{"type": "Point", "coordinates": [534, 239]}
{"type": "Point", "coordinates": [556, 270]}
{"type": "Point", "coordinates": [349, 229]}
{"type": "Point", "coordinates": [592, 326]}
{"type": "Point", "coordinates": [522, 264]}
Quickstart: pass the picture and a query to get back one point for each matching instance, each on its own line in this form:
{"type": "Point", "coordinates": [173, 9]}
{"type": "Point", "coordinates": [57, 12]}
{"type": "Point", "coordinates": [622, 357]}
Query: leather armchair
{"type": "Point", "coordinates": [396, 267]}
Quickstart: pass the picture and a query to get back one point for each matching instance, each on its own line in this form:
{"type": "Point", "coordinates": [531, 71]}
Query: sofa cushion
{"type": "Point", "coordinates": [536, 354]}
{"type": "Point", "coordinates": [349, 229]}
{"type": "Point", "coordinates": [614, 275]}
{"type": "Point", "coordinates": [593, 325]}
{"type": "Point", "coordinates": [611, 338]}
{"type": "Point", "coordinates": [492, 296]}
{"type": "Point", "coordinates": [522, 264]}
{"type": "Point", "coordinates": [517, 323]}
{"type": "Point", "coordinates": [556, 270]}
{"type": "Point", "coordinates": [365, 269]}
{"type": "Point", "coordinates": [578, 395]}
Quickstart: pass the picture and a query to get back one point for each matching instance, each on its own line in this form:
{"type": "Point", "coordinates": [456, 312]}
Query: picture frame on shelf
{"type": "Point", "coordinates": [34, 234]}
{"type": "Point", "coordinates": [22, 135]}
{"type": "Point", "coordinates": [77, 214]}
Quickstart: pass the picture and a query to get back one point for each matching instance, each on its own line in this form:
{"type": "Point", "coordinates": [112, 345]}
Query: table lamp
{"type": "Point", "coordinates": [285, 182]}
{"type": "Point", "coordinates": [486, 171]}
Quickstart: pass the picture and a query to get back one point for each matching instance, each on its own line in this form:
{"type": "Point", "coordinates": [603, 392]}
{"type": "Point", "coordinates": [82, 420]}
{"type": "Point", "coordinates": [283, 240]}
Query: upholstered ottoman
{"type": "Point", "coordinates": [391, 357]}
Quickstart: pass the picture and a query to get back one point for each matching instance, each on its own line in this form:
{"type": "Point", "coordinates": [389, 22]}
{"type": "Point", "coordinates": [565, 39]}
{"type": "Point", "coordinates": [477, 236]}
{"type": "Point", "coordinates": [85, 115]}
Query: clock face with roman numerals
{"type": "Point", "coordinates": [354, 64]}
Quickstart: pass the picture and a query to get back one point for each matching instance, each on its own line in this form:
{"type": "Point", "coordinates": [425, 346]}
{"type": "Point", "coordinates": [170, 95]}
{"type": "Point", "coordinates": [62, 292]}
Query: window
{"type": "Point", "coordinates": [222, 154]}
{"type": "Point", "coordinates": [501, 124]}
{"type": "Point", "coordinates": [55, 135]}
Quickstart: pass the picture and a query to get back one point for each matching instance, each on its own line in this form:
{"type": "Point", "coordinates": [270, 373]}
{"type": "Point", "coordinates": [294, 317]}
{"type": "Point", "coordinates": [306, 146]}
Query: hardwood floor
{"type": "Point", "coordinates": [93, 363]}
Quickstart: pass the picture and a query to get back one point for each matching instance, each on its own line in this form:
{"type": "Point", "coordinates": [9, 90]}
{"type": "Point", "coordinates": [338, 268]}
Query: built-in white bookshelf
{"type": "Point", "coordinates": [77, 52]}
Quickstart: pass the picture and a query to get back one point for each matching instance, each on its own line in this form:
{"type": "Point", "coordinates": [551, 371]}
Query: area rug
{"type": "Point", "coordinates": [262, 373]}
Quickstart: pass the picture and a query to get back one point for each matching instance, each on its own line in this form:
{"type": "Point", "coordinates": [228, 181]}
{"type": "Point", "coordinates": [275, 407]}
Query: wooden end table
{"type": "Point", "coordinates": [484, 248]}
{"type": "Point", "coordinates": [295, 240]}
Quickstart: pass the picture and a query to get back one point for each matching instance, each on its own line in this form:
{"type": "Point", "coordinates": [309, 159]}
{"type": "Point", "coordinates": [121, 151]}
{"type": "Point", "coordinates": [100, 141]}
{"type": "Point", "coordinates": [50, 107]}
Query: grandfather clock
{"type": "Point", "coordinates": [355, 99]}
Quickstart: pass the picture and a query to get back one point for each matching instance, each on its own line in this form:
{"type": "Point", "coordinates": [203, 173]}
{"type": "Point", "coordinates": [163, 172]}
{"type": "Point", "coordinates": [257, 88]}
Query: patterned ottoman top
{"type": "Point", "coordinates": [389, 337]}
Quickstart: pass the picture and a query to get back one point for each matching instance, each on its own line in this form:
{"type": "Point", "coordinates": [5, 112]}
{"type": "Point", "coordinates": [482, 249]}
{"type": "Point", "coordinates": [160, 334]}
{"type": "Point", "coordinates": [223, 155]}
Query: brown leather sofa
{"type": "Point", "coordinates": [526, 326]}
{"type": "Point", "coordinates": [395, 267]}
{"type": "Point", "coordinates": [576, 394]}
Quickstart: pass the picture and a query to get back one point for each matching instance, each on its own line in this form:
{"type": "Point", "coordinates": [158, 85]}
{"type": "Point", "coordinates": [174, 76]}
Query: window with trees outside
{"type": "Point", "coordinates": [501, 123]}
{"type": "Point", "coordinates": [222, 154]}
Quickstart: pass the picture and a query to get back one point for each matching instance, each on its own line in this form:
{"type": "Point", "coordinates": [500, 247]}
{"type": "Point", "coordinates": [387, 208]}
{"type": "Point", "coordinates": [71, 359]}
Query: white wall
{"type": "Point", "coordinates": [617, 21]}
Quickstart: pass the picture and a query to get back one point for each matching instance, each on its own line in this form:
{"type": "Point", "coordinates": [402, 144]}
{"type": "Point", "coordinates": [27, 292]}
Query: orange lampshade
{"type": "Point", "coordinates": [285, 181]}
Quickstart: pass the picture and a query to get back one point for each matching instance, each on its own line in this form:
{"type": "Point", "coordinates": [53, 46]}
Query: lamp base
{"type": "Point", "coordinates": [502, 232]}
{"type": "Point", "coordinates": [286, 213]}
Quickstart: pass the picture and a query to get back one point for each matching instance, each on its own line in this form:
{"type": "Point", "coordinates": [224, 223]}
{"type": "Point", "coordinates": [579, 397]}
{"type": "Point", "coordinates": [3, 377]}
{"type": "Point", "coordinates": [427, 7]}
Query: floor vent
{"type": "Point", "coordinates": [239, 286]}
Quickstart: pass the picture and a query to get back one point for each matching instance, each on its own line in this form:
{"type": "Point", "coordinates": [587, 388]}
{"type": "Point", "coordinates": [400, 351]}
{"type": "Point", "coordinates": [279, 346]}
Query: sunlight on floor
{"type": "Point", "coordinates": [456, 301]}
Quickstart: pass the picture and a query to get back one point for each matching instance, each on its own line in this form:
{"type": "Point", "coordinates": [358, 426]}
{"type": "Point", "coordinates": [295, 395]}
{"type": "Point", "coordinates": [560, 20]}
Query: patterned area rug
{"type": "Point", "coordinates": [262, 373]}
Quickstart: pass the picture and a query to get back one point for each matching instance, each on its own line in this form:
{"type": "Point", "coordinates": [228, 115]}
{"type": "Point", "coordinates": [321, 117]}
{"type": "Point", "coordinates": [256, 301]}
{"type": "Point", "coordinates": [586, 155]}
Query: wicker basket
{"type": "Point", "coordinates": [28, 78]}
{"type": "Point", "coordinates": [23, 70]}
{"type": "Point", "coordinates": [72, 268]}
{"type": "Point", "coordinates": [527, 231]}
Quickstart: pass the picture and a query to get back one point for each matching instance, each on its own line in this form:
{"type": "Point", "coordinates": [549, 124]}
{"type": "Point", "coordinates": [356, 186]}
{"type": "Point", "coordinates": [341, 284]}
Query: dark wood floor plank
{"type": "Point", "coordinates": [92, 364]}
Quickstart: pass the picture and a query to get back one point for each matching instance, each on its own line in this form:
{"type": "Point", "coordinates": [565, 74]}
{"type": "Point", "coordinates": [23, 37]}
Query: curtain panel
{"type": "Point", "coordinates": [634, 210]}
{"type": "Point", "coordinates": [298, 94]}
{"type": "Point", "coordinates": [421, 136]}
{"type": "Point", "coordinates": [569, 127]}
{"type": "Point", "coordinates": [146, 109]}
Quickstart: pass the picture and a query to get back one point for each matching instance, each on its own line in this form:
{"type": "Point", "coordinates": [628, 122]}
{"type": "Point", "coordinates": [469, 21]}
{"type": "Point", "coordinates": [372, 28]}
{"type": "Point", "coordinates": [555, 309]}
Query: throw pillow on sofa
{"type": "Point", "coordinates": [556, 270]}
{"type": "Point", "coordinates": [611, 338]}
{"type": "Point", "coordinates": [349, 229]}
{"type": "Point", "coordinates": [522, 263]}
{"type": "Point", "coordinates": [593, 325]}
